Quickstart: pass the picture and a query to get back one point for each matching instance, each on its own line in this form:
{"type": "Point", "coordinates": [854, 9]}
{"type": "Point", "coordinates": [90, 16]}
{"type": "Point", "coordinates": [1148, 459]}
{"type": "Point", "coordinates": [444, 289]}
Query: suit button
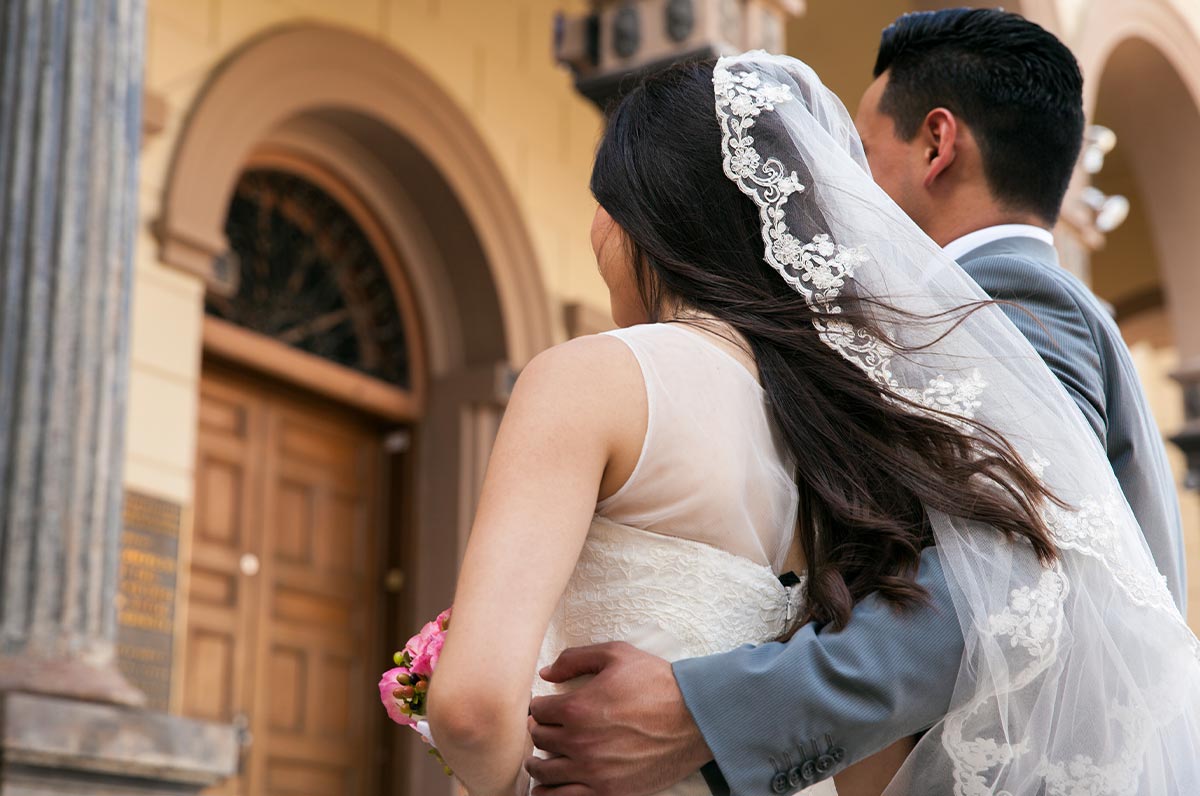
{"type": "Point", "coordinates": [839, 754]}
{"type": "Point", "coordinates": [824, 764]}
{"type": "Point", "coordinates": [808, 771]}
{"type": "Point", "coordinates": [795, 779]}
{"type": "Point", "coordinates": [779, 783]}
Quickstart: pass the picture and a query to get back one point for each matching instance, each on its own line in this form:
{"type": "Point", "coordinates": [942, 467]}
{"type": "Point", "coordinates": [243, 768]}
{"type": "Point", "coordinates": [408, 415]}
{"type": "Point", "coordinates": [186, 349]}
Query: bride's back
{"type": "Point", "coordinates": [682, 560]}
{"type": "Point", "coordinates": [712, 467]}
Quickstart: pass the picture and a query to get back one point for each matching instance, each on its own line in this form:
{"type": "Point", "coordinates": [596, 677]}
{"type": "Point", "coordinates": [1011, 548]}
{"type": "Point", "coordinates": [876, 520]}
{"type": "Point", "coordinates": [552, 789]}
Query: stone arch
{"type": "Point", "coordinates": [1143, 67]}
{"type": "Point", "coordinates": [342, 96]}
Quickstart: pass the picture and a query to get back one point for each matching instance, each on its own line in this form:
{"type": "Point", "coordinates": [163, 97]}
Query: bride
{"type": "Point", "coordinates": [804, 383]}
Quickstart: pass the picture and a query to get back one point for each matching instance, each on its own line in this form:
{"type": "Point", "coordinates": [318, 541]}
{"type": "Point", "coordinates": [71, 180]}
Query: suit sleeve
{"type": "Point", "coordinates": [781, 716]}
{"type": "Point", "coordinates": [1049, 316]}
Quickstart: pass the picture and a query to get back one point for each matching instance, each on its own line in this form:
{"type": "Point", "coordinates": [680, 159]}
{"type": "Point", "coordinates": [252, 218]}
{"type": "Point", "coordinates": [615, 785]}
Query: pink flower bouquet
{"type": "Point", "coordinates": [404, 688]}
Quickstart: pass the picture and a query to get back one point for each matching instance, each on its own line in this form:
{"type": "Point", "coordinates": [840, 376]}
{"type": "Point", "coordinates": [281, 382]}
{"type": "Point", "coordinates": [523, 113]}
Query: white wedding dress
{"type": "Point", "coordinates": [684, 559]}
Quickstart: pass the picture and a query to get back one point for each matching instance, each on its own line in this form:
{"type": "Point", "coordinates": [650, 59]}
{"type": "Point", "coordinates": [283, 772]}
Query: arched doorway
{"type": "Point", "coordinates": [1142, 64]}
{"type": "Point", "coordinates": [299, 508]}
{"type": "Point", "coordinates": [369, 130]}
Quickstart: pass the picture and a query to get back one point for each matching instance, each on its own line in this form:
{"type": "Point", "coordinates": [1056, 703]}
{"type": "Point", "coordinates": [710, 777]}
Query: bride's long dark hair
{"type": "Point", "coordinates": [867, 466]}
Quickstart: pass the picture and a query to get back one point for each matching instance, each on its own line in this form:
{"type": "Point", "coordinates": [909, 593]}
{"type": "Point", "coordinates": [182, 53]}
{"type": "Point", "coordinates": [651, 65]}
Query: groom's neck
{"type": "Point", "coordinates": [965, 217]}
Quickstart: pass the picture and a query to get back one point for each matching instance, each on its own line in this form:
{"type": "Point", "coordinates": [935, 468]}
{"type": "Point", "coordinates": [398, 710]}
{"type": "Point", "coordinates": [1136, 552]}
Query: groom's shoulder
{"type": "Point", "coordinates": [1027, 280]}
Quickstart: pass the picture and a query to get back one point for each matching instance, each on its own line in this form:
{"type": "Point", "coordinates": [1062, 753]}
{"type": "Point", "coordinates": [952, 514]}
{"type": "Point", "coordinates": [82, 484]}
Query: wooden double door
{"type": "Point", "coordinates": [285, 592]}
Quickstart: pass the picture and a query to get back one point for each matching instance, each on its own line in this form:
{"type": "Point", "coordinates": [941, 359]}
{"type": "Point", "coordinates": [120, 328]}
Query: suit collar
{"type": "Point", "coordinates": [1019, 246]}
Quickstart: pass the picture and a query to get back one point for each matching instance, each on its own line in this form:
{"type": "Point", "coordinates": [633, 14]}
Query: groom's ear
{"type": "Point", "coordinates": [940, 133]}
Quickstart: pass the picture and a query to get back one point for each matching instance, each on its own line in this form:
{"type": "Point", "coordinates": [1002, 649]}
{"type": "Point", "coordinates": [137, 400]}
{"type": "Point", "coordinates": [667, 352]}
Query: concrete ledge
{"type": "Point", "coordinates": [52, 745]}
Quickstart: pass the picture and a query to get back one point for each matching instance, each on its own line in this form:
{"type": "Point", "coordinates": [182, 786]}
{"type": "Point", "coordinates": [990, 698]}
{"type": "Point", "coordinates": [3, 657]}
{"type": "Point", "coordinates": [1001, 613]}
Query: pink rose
{"type": "Point", "coordinates": [387, 685]}
{"type": "Point", "coordinates": [434, 650]}
{"type": "Point", "coordinates": [425, 648]}
{"type": "Point", "coordinates": [417, 644]}
{"type": "Point", "coordinates": [424, 663]}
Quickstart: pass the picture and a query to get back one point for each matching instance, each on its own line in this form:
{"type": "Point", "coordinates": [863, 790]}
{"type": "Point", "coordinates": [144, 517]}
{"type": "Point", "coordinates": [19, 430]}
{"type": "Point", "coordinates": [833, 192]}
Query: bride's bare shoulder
{"type": "Point", "coordinates": [597, 374]}
{"type": "Point", "coordinates": [591, 361]}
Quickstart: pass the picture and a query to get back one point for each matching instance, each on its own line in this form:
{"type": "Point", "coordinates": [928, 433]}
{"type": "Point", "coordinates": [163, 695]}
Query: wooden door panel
{"type": "Point", "coordinates": [293, 644]}
{"type": "Point", "coordinates": [295, 514]}
{"type": "Point", "coordinates": [321, 596]}
{"type": "Point", "coordinates": [336, 716]}
{"type": "Point", "coordinates": [208, 587]}
{"type": "Point", "coordinates": [345, 553]}
{"type": "Point", "coordinates": [221, 598]}
{"type": "Point", "coordinates": [208, 688]}
{"type": "Point", "coordinates": [224, 413]}
{"type": "Point", "coordinates": [290, 672]}
{"type": "Point", "coordinates": [220, 490]}
{"type": "Point", "coordinates": [336, 454]}
{"type": "Point", "coordinates": [308, 607]}
{"type": "Point", "coordinates": [326, 752]}
{"type": "Point", "coordinates": [309, 777]}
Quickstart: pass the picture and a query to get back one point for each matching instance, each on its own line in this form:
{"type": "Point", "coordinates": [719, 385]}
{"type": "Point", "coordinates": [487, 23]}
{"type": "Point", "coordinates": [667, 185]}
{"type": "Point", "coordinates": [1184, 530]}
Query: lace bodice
{"type": "Point", "coordinates": [673, 597]}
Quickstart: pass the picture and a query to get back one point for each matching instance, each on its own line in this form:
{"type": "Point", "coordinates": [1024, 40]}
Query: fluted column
{"type": "Point", "coordinates": [70, 94]}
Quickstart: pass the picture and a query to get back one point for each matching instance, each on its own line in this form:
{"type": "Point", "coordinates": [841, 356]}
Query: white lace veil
{"type": "Point", "coordinates": [1080, 678]}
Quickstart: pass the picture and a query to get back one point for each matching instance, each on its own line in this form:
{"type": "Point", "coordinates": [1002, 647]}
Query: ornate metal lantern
{"type": "Point", "coordinates": [620, 39]}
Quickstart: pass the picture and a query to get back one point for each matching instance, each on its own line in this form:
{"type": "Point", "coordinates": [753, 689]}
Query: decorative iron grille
{"type": "Point", "coordinates": [308, 276]}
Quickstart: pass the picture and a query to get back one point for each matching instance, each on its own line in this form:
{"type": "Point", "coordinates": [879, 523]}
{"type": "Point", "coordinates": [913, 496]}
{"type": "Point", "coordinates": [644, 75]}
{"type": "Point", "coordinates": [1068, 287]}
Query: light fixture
{"type": "Point", "coordinates": [1111, 211]}
{"type": "Point", "coordinates": [1098, 141]}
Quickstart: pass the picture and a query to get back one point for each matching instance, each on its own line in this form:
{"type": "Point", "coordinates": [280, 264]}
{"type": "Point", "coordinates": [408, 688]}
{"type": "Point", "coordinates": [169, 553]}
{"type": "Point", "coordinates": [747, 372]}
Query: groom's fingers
{"type": "Point", "coordinates": [550, 739]}
{"type": "Point", "coordinates": [555, 772]}
{"type": "Point", "coordinates": [578, 661]}
{"type": "Point", "coordinates": [563, 790]}
{"type": "Point", "coordinates": [549, 709]}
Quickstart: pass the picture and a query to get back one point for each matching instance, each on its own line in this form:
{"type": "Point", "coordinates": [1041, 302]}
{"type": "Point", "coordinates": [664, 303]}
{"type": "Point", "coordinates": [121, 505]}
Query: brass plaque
{"type": "Point", "coordinates": [146, 595]}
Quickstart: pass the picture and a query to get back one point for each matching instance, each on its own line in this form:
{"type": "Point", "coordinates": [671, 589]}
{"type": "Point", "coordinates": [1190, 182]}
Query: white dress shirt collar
{"type": "Point", "coordinates": [973, 240]}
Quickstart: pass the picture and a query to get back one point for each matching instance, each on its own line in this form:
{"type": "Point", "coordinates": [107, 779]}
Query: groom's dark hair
{"type": "Point", "coordinates": [1012, 82]}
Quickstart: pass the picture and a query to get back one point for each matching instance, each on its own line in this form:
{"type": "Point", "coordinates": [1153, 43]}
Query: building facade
{"type": "Point", "coordinates": [356, 221]}
{"type": "Point", "coordinates": [324, 428]}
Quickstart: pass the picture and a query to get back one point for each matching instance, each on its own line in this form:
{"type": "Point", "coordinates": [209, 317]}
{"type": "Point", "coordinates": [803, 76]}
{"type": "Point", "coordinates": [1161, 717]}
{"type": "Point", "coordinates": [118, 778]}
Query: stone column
{"type": "Point", "coordinates": [70, 100]}
{"type": "Point", "coordinates": [70, 131]}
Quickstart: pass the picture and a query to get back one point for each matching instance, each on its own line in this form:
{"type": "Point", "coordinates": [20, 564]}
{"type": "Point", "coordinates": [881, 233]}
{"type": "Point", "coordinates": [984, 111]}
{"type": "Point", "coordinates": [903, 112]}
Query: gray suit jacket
{"type": "Point", "coordinates": [781, 716]}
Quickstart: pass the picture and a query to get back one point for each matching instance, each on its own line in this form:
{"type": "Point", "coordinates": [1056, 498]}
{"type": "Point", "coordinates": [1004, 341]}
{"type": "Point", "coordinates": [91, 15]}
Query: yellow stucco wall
{"type": "Point", "coordinates": [493, 58]}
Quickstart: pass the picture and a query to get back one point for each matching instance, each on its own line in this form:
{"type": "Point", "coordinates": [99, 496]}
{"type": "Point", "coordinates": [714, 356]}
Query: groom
{"type": "Point", "coordinates": [973, 126]}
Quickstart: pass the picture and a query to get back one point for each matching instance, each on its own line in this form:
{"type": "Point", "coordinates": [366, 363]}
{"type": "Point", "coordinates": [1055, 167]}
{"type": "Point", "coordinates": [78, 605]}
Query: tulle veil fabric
{"type": "Point", "coordinates": [1077, 679]}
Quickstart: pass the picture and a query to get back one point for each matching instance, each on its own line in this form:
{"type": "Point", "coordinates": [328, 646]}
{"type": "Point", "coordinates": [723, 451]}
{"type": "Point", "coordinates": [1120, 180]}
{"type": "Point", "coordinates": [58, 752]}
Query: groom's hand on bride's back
{"type": "Point", "coordinates": [626, 732]}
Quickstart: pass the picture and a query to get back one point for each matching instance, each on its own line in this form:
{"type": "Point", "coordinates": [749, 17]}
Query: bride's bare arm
{"type": "Point", "coordinates": [574, 415]}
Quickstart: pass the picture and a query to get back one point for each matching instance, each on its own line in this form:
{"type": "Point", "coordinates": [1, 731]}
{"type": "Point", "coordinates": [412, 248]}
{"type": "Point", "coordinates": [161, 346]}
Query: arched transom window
{"type": "Point", "coordinates": [304, 273]}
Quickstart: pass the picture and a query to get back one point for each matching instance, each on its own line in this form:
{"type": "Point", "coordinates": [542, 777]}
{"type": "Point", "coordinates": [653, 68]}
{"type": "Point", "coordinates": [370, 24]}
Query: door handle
{"type": "Point", "coordinates": [393, 581]}
{"type": "Point", "coordinates": [249, 564]}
